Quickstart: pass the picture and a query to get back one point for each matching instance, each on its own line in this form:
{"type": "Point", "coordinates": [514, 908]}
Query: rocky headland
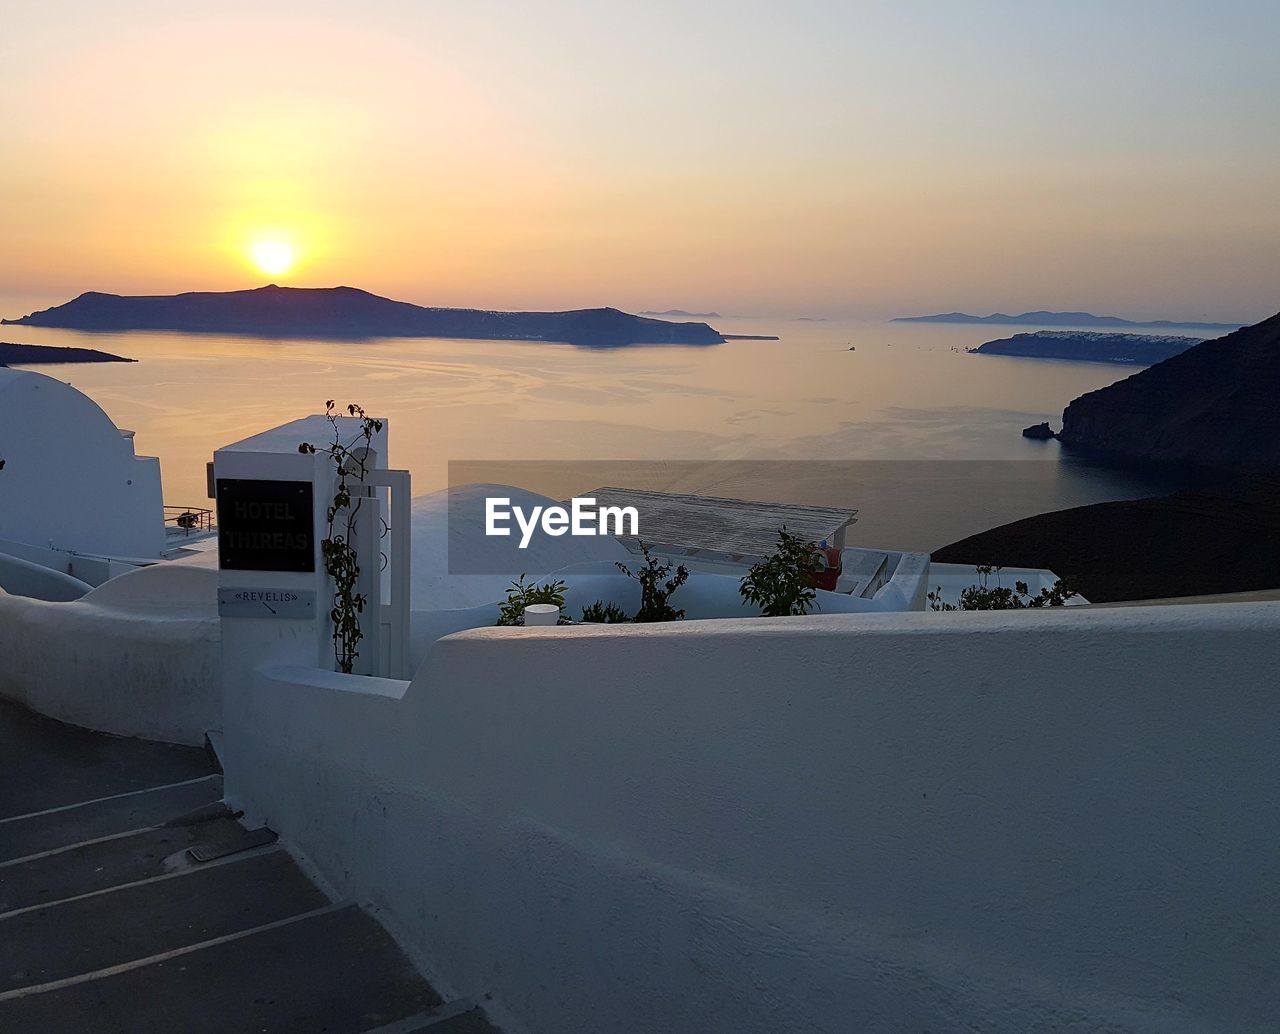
{"type": "Point", "coordinates": [1217, 404]}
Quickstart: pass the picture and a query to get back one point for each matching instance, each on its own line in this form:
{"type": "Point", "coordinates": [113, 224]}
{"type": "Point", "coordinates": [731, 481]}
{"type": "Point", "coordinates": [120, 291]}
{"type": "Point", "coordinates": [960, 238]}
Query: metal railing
{"type": "Point", "coordinates": [188, 520]}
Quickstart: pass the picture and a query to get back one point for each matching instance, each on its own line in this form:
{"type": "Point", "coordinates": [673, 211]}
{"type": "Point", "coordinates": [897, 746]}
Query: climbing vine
{"type": "Point", "coordinates": [340, 559]}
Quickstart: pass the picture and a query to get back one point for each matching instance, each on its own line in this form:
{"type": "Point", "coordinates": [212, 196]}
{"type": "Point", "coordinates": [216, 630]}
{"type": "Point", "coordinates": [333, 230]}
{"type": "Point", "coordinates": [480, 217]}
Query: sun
{"type": "Point", "coordinates": [273, 257]}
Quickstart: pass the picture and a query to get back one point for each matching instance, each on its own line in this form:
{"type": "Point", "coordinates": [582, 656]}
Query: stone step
{"type": "Point", "coordinates": [85, 934]}
{"type": "Point", "coordinates": [30, 834]}
{"type": "Point", "coordinates": [48, 763]}
{"type": "Point", "coordinates": [110, 923]}
{"type": "Point", "coordinates": [105, 863]}
{"type": "Point", "coordinates": [332, 970]}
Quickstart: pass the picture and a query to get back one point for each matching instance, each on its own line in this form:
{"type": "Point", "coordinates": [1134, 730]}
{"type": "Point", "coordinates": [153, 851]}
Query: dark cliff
{"type": "Point", "coordinates": [345, 312]}
{"type": "Point", "coordinates": [1216, 405]}
{"type": "Point", "coordinates": [1218, 540]}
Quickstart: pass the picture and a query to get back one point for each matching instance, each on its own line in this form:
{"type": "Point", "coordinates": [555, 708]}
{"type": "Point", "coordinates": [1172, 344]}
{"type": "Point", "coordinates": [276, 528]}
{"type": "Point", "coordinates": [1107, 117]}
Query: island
{"type": "Point", "coordinates": [1213, 405]}
{"type": "Point", "coordinates": [683, 314]}
{"type": "Point", "coordinates": [1090, 346]}
{"type": "Point", "coordinates": [1045, 318]}
{"type": "Point", "coordinates": [347, 313]}
{"type": "Point", "coordinates": [27, 355]}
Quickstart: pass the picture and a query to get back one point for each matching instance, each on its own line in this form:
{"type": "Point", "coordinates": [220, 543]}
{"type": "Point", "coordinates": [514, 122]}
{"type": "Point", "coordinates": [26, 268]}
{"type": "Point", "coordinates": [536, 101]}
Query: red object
{"type": "Point", "coordinates": [832, 566]}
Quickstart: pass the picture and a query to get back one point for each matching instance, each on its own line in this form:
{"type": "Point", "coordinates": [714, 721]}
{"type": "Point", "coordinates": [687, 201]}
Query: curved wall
{"type": "Point", "coordinates": [19, 577]}
{"type": "Point", "coordinates": [137, 657]}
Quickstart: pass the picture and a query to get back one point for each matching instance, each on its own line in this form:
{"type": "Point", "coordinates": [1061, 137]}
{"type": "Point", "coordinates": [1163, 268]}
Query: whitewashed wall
{"type": "Point", "coordinates": [1004, 822]}
{"type": "Point", "coordinates": [71, 480]}
{"type": "Point", "coordinates": [138, 656]}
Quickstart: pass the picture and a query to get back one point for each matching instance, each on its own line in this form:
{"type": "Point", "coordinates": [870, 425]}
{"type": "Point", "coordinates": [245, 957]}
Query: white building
{"type": "Point", "coordinates": [71, 481]}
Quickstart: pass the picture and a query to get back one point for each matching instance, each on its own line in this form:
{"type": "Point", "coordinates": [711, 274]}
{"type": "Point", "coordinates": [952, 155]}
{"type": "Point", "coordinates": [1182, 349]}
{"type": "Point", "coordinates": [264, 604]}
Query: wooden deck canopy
{"type": "Point", "coordinates": [737, 527]}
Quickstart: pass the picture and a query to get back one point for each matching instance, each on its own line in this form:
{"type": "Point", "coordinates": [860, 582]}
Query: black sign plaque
{"type": "Point", "coordinates": [265, 525]}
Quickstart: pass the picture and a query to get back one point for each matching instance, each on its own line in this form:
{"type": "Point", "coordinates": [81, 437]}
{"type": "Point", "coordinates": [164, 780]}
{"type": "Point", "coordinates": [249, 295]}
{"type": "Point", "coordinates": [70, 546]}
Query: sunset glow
{"type": "Point", "coordinates": [273, 257]}
{"type": "Point", "coordinates": [828, 175]}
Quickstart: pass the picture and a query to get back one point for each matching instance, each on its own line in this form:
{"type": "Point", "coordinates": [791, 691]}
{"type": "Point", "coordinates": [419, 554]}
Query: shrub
{"type": "Point", "coordinates": [782, 583]}
{"type": "Point", "coordinates": [656, 588]}
{"type": "Point", "coordinates": [1000, 597]}
{"type": "Point", "coordinates": [601, 613]}
{"type": "Point", "coordinates": [521, 595]}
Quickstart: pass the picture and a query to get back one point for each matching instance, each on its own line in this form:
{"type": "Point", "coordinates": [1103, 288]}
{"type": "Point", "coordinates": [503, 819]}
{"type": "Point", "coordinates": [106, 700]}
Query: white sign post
{"type": "Point", "coordinates": [274, 596]}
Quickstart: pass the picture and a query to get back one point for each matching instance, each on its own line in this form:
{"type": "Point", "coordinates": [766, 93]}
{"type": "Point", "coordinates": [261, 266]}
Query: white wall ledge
{"type": "Point", "coordinates": [872, 822]}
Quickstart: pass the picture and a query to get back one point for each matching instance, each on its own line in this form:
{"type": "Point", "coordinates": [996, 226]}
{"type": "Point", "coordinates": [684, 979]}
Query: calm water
{"type": "Point", "coordinates": [934, 419]}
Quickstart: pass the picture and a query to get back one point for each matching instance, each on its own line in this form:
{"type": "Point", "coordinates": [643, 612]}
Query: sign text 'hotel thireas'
{"type": "Point", "coordinates": [265, 525]}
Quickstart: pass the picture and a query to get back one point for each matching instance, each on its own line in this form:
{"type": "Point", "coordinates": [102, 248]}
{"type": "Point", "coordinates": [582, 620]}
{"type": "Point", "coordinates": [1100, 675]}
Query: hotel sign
{"type": "Point", "coordinates": [265, 525]}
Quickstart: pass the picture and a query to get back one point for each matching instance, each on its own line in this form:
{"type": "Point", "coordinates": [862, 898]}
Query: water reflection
{"type": "Point", "coordinates": [906, 395]}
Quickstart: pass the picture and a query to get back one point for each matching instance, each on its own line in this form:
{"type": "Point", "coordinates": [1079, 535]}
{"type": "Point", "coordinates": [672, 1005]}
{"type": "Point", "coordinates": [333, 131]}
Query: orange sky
{"type": "Point", "coordinates": [828, 159]}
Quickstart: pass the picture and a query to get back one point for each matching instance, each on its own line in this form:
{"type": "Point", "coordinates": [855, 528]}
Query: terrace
{"type": "Point", "coordinates": [874, 820]}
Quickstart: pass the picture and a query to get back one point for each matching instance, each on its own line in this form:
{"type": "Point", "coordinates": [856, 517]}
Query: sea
{"type": "Point", "coordinates": [895, 420]}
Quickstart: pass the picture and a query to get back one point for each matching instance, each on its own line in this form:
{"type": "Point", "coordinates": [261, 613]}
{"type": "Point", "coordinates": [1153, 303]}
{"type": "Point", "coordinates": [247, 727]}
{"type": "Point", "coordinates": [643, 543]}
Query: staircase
{"type": "Point", "coordinates": [132, 901]}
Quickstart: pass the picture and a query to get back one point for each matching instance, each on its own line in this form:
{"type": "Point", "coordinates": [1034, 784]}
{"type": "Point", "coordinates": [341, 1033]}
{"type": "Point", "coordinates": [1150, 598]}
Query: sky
{"type": "Point", "coordinates": [809, 158]}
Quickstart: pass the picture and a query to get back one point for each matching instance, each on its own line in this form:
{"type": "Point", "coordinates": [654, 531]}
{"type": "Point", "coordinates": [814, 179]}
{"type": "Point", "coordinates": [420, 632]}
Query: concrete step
{"type": "Point", "coordinates": [333, 970]}
{"type": "Point", "coordinates": [48, 764]}
{"type": "Point", "coordinates": [107, 928]}
{"type": "Point", "coordinates": [111, 923]}
{"type": "Point", "coordinates": [99, 865]}
{"type": "Point", "coordinates": [91, 820]}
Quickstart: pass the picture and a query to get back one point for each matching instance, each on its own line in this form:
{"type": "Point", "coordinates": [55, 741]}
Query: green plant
{"type": "Point", "coordinates": [1000, 597]}
{"type": "Point", "coordinates": [340, 559]}
{"type": "Point", "coordinates": [520, 596]}
{"type": "Point", "coordinates": [656, 587]}
{"type": "Point", "coordinates": [602, 613]}
{"type": "Point", "coordinates": [782, 583]}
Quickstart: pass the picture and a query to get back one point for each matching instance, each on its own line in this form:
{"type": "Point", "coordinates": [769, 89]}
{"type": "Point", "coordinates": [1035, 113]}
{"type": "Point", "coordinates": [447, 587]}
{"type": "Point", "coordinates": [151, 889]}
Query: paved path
{"type": "Point", "coordinates": [108, 923]}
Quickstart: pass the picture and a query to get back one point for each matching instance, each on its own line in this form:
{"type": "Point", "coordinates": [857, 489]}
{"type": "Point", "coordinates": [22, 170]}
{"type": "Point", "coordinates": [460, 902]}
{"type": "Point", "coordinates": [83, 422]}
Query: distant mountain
{"type": "Point", "coordinates": [1217, 405]}
{"type": "Point", "coordinates": [27, 355]}
{"type": "Point", "coordinates": [683, 314]}
{"type": "Point", "coordinates": [1042, 318]}
{"type": "Point", "coordinates": [1090, 346]}
{"type": "Point", "coordinates": [345, 313]}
